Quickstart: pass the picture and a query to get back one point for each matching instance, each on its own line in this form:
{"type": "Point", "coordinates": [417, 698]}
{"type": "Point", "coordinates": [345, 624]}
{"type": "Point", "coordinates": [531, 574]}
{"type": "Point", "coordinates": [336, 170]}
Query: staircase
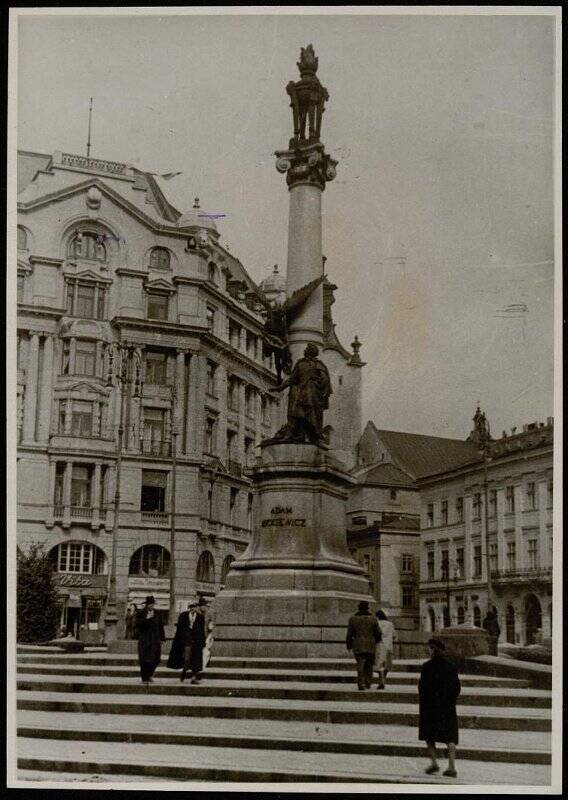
{"type": "Point", "coordinates": [263, 720]}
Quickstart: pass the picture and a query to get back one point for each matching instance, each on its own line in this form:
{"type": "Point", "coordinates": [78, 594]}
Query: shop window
{"type": "Point", "coordinates": [158, 305]}
{"type": "Point", "coordinates": [153, 493]}
{"type": "Point", "coordinates": [81, 486]}
{"type": "Point", "coordinates": [151, 561]}
{"type": "Point", "coordinates": [160, 258]}
{"type": "Point", "coordinates": [156, 368]}
{"type": "Point", "coordinates": [205, 572]}
{"type": "Point", "coordinates": [87, 245]}
{"type": "Point", "coordinates": [22, 238]}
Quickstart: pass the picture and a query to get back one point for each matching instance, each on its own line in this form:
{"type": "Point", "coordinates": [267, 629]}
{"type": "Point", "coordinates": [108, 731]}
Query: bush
{"type": "Point", "coordinates": [37, 601]}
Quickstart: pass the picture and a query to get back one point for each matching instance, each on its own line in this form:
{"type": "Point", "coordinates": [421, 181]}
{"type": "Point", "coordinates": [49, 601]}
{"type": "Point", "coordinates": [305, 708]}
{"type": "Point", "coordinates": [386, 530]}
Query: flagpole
{"type": "Point", "coordinates": [89, 137]}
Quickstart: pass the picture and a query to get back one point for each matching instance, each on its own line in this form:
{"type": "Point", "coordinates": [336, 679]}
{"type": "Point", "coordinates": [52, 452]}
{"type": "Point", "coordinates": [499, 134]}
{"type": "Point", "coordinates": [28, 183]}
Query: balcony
{"type": "Point", "coordinates": [80, 512]}
{"type": "Point", "coordinates": [156, 517]}
{"type": "Point", "coordinates": [156, 448]}
{"type": "Point", "coordinates": [531, 575]}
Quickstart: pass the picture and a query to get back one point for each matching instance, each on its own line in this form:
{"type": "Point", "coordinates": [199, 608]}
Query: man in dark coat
{"type": "Point", "coordinates": [363, 633]}
{"type": "Point", "coordinates": [438, 689]}
{"type": "Point", "coordinates": [189, 640]}
{"type": "Point", "coordinates": [491, 625]}
{"type": "Point", "coordinates": [150, 635]}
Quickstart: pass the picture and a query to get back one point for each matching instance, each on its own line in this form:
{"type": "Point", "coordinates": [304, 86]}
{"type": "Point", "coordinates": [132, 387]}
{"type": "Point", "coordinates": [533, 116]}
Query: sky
{"type": "Point", "coordinates": [439, 227]}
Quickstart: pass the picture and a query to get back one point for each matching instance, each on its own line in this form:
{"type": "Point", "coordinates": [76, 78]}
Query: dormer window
{"type": "Point", "coordinates": [160, 258]}
{"type": "Point", "coordinates": [87, 245]}
{"type": "Point", "coordinates": [22, 238]}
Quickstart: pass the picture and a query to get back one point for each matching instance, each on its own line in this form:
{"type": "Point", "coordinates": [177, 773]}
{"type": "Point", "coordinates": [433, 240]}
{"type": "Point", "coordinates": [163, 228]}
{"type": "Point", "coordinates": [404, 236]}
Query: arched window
{"type": "Point", "coordinates": [510, 624]}
{"type": "Point", "coordinates": [432, 619]}
{"type": "Point", "coordinates": [88, 245]}
{"type": "Point", "coordinates": [22, 238]}
{"type": "Point", "coordinates": [461, 615]}
{"type": "Point", "coordinates": [228, 560]}
{"type": "Point", "coordinates": [151, 561]}
{"type": "Point", "coordinates": [477, 616]}
{"type": "Point", "coordinates": [82, 557]}
{"type": "Point", "coordinates": [205, 568]}
{"type": "Point", "coordinates": [160, 258]}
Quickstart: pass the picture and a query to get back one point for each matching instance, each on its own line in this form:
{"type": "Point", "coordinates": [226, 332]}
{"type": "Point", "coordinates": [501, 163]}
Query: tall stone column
{"type": "Point", "coordinates": [30, 397]}
{"type": "Point", "coordinates": [308, 168]}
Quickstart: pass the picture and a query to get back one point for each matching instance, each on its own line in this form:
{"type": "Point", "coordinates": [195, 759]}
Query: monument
{"type": "Point", "coordinates": [294, 588]}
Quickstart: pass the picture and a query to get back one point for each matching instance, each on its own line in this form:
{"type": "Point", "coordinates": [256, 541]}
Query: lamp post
{"type": "Point", "coordinates": [124, 373]}
{"type": "Point", "coordinates": [173, 503]}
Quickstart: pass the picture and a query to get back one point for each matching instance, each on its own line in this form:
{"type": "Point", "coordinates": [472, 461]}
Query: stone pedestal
{"type": "Point", "coordinates": [293, 590]}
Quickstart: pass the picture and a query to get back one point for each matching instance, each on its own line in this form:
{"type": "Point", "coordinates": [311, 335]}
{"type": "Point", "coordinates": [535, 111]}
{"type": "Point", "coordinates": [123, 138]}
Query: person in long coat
{"type": "Point", "coordinates": [438, 689]}
{"type": "Point", "coordinates": [187, 646]}
{"type": "Point", "coordinates": [384, 651]}
{"type": "Point", "coordinates": [150, 635]}
{"type": "Point", "coordinates": [363, 633]}
{"type": "Point", "coordinates": [130, 622]}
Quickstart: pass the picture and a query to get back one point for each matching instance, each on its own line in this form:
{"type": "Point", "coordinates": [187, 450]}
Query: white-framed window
{"type": "Point", "coordinates": [80, 557]}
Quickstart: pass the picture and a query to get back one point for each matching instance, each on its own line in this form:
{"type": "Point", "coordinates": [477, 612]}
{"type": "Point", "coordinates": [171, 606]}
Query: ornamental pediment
{"type": "Point", "coordinates": [84, 275]}
{"type": "Point", "coordinates": [82, 389]}
{"type": "Point", "coordinates": [159, 285]}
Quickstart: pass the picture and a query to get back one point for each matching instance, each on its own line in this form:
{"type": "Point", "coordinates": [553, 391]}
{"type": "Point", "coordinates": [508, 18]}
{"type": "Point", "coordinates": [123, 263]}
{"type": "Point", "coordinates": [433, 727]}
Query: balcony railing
{"type": "Point", "coordinates": [156, 448]}
{"type": "Point", "coordinates": [521, 575]}
{"type": "Point", "coordinates": [234, 468]}
{"type": "Point", "coordinates": [158, 517]}
{"type": "Point", "coordinates": [79, 512]}
{"type": "Point", "coordinates": [58, 512]}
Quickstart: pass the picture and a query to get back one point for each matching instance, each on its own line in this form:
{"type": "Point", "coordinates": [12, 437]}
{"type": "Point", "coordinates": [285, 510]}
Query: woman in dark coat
{"type": "Point", "coordinates": [438, 689]}
{"type": "Point", "coordinates": [150, 635]}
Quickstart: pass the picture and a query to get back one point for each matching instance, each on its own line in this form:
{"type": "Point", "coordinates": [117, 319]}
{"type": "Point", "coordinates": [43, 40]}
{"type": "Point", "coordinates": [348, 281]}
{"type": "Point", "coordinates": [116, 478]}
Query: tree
{"type": "Point", "coordinates": [37, 600]}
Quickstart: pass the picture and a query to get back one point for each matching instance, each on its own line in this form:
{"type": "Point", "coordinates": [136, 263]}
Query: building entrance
{"type": "Point", "coordinates": [534, 618]}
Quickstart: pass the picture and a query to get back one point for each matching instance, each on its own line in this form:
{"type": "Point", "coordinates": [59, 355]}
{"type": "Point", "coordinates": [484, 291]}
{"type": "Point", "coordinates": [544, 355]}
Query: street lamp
{"type": "Point", "coordinates": [124, 372]}
{"type": "Point", "coordinates": [174, 428]}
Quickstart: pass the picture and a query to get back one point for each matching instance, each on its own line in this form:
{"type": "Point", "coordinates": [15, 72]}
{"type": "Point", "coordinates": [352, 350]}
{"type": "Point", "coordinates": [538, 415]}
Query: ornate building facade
{"type": "Point", "coordinates": [139, 355]}
{"type": "Point", "coordinates": [508, 494]}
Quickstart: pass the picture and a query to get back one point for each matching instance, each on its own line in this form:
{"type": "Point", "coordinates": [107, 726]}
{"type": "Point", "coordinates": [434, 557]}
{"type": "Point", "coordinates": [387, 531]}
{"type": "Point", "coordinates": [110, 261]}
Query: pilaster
{"type": "Point", "coordinates": [30, 397]}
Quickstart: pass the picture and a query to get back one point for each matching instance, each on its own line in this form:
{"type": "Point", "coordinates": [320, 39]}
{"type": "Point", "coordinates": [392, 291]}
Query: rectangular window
{"type": "Point", "coordinates": [477, 561]}
{"type": "Point", "coordinates": [81, 487]}
{"type": "Point", "coordinates": [264, 411]}
{"type": "Point", "coordinates": [233, 394]}
{"type": "Point", "coordinates": [85, 301]}
{"type": "Point", "coordinates": [249, 401]}
{"type": "Point", "coordinates": [249, 451]}
{"type": "Point", "coordinates": [101, 297]}
{"type": "Point", "coordinates": [408, 596]}
{"type": "Point", "coordinates": [510, 499]}
{"type": "Point", "coordinates": [154, 431]}
{"type": "Point", "coordinates": [477, 506]}
{"type": "Point", "coordinates": [493, 503]}
{"type": "Point", "coordinates": [153, 494]}
{"type": "Point", "coordinates": [233, 495]}
{"type": "Point", "coordinates": [234, 334]}
{"type": "Point", "coordinates": [211, 370]}
{"type": "Point", "coordinates": [210, 318]}
{"type": "Point", "coordinates": [444, 512]}
{"type": "Point", "coordinates": [82, 418]}
{"type": "Point", "coordinates": [20, 289]}
{"type": "Point", "coordinates": [460, 563]}
{"type": "Point", "coordinates": [210, 436]}
{"type": "Point", "coordinates": [445, 565]}
{"type": "Point", "coordinates": [231, 445]}
{"type": "Point", "coordinates": [430, 565]}
{"type": "Point", "coordinates": [156, 368]}
{"type": "Point", "coordinates": [531, 497]}
{"type": "Point", "coordinates": [430, 515]}
{"type": "Point", "coordinates": [459, 509]}
{"type": "Point", "coordinates": [407, 567]}
{"type": "Point", "coordinates": [493, 556]}
{"type": "Point", "coordinates": [251, 345]}
{"type": "Point", "coordinates": [85, 358]}
{"type": "Point", "coordinates": [157, 306]}
{"type": "Point", "coordinates": [511, 556]}
{"type": "Point", "coordinates": [76, 557]}
{"type": "Point", "coordinates": [62, 416]}
{"type": "Point", "coordinates": [59, 483]}
{"type": "Point", "coordinates": [532, 553]}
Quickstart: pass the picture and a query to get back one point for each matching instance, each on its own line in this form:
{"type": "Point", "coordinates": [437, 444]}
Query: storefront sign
{"type": "Point", "coordinates": [74, 580]}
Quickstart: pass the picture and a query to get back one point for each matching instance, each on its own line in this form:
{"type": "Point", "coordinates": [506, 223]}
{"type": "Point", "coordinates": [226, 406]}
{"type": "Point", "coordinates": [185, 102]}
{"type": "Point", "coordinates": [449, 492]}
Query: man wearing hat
{"type": "Point", "coordinates": [150, 635]}
{"type": "Point", "coordinates": [187, 646]}
{"type": "Point", "coordinates": [363, 634]}
{"type": "Point", "coordinates": [438, 689]}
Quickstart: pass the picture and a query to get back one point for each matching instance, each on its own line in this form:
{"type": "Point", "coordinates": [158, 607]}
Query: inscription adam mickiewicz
{"type": "Point", "coordinates": [283, 522]}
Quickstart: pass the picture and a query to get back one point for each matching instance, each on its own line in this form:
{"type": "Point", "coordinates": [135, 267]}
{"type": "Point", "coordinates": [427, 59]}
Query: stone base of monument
{"type": "Point", "coordinates": [293, 590]}
{"type": "Point", "coordinates": [464, 642]}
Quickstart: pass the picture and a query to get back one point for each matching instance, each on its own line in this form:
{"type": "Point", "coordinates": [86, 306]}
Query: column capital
{"type": "Point", "coordinates": [306, 165]}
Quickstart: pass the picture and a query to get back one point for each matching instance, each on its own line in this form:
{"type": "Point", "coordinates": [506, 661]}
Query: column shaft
{"type": "Point", "coordinates": [30, 397]}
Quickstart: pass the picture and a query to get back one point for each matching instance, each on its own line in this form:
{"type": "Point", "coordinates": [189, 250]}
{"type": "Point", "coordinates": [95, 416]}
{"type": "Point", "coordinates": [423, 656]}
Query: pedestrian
{"type": "Point", "coordinates": [150, 635]}
{"type": "Point", "coordinates": [130, 622]}
{"type": "Point", "coordinates": [438, 689]}
{"type": "Point", "coordinates": [187, 646]}
{"type": "Point", "coordinates": [491, 625]}
{"type": "Point", "coordinates": [363, 633]}
{"type": "Point", "coordinates": [384, 651]}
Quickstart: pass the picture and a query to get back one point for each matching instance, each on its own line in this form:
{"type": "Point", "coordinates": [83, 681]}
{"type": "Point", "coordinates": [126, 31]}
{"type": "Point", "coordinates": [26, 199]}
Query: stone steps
{"type": "Point", "coordinates": [222, 673]}
{"type": "Point", "coordinates": [202, 763]}
{"type": "Point", "coordinates": [519, 698]}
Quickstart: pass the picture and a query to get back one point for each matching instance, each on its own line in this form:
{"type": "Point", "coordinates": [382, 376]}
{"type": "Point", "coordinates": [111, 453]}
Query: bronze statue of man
{"type": "Point", "coordinates": [310, 388]}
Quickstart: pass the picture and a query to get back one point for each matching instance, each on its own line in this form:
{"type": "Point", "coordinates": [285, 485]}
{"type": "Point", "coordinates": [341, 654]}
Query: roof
{"type": "Point", "coordinates": [386, 474]}
{"type": "Point", "coordinates": [28, 165]}
{"type": "Point", "coordinates": [422, 455]}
